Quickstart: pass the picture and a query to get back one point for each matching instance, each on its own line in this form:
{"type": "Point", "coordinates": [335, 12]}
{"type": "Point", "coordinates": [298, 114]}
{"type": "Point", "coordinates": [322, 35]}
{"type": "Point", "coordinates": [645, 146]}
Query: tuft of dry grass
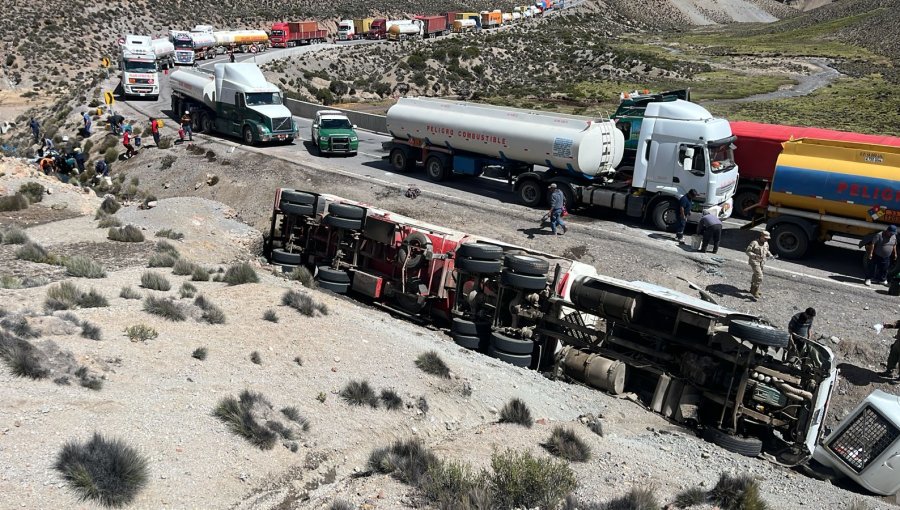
{"type": "Point", "coordinates": [516, 411]}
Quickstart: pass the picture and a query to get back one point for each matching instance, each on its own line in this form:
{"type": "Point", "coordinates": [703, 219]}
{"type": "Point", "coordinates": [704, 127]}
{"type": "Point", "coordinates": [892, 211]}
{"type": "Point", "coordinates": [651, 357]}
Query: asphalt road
{"type": "Point", "coordinates": [838, 261]}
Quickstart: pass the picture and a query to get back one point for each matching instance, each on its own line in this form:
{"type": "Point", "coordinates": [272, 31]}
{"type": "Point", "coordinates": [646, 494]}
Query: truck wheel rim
{"type": "Point", "coordinates": [399, 160]}
{"type": "Point", "coordinates": [248, 136]}
{"type": "Point", "coordinates": [787, 242]}
{"type": "Point", "coordinates": [434, 169]}
{"type": "Point", "coordinates": [529, 192]}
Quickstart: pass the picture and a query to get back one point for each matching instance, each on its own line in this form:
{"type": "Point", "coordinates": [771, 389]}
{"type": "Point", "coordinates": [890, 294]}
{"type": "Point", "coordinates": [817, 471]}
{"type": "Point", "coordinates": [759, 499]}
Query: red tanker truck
{"type": "Point", "coordinates": [758, 148]}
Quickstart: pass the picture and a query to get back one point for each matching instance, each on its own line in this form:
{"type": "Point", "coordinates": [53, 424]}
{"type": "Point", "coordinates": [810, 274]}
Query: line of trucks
{"type": "Point", "coordinates": [736, 379]}
{"type": "Point", "coordinates": [640, 161]}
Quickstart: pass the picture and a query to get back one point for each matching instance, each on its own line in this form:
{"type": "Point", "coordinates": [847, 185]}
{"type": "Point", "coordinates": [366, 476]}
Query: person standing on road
{"type": "Point", "coordinates": [35, 129]}
{"type": "Point", "coordinates": [757, 252]}
{"type": "Point", "coordinates": [881, 251]}
{"type": "Point", "coordinates": [557, 205]}
{"type": "Point", "coordinates": [710, 228]}
{"type": "Point", "coordinates": [894, 356]}
{"type": "Point", "coordinates": [685, 203]}
{"type": "Point", "coordinates": [154, 130]}
{"type": "Point", "coordinates": [186, 125]}
{"type": "Point", "coordinates": [801, 324]}
{"type": "Point", "coordinates": [231, 57]}
{"type": "Point", "coordinates": [87, 123]}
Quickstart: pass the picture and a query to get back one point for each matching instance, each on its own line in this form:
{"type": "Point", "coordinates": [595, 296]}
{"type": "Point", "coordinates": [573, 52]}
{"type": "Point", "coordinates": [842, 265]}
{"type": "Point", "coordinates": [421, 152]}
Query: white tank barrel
{"type": "Point", "coordinates": [202, 40]}
{"type": "Point", "coordinates": [567, 142]}
{"type": "Point", "coordinates": [405, 29]}
{"type": "Point", "coordinates": [194, 84]}
{"type": "Point", "coordinates": [464, 24]}
{"type": "Point", "coordinates": [162, 47]}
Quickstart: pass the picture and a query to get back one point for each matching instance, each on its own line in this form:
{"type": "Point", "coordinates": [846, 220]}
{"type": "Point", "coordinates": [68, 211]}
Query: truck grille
{"type": "Point", "coordinates": [864, 440]}
{"type": "Point", "coordinates": [725, 189]}
{"type": "Point", "coordinates": [281, 124]}
{"type": "Point", "coordinates": [143, 81]}
{"type": "Point", "coordinates": [340, 143]}
{"type": "Point", "coordinates": [184, 57]}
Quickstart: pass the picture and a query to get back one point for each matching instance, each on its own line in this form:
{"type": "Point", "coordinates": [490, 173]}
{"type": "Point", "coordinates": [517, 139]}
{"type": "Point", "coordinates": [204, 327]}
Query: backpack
{"type": "Point", "coordinates": [159, 123]}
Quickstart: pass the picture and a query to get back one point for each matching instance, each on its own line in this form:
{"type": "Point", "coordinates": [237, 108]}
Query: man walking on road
{"type": "Point", "coordinates": [757, 253]}
{"type": "Point", "coordinates": [685, 203]}
{"type": "Point", "coordinates": [557, 204]}
{"type": "Point", "coordinates": [186, 125]}
{"type": "Point", "coordinates": [881, 251]}
{"type": "Point", "coordinates": [710, 228]}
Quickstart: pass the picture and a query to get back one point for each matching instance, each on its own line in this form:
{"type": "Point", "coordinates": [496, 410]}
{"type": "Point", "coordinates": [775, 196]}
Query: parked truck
{"type": "Point", "coordinates": [290, 34]}
{"type": "Point", "coordinates": [378, 29]}
{"type": "Point", "coordinates": [184, 47]}
{"type": "Point", "coordinates": [204, 42]}
{"type": "Point", "coordinates": [235, 100]}
{"type": "Point", "coordinates": [362, 26]}
{"type": "Point", "coordinates": [823, 187]}
{"type": "Point", "coordinates": [164, 51]}
{"type": "Point", "coordinates": [737, 379]}
{"type": "Point", "coordinates": [405, 30]}
{"type": "Point", "coordinates": [758, 148]}
{"type": "Point", "coordinates": [434, 26]}
{"type": "Point", "coordinates": [346, 30]}
{"type": "Point", "coordinates": [491, 19]}
{"type": "Point", "coordinates": [462, 26]}
{"type": "Point", "coordinates": [682, 147]}
{"type": "Point", "coordinates": [137, 62]}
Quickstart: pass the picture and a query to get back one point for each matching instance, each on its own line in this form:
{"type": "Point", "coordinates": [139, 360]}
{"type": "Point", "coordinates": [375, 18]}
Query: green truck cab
{"type": "Point", "coordinates": [332, 133]}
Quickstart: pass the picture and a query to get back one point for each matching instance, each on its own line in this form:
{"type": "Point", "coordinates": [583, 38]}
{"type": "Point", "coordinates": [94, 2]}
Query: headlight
{"type": "Point", "coordinates": [353, 138]}
{"type": "Point", "coordinates": [323, 138]}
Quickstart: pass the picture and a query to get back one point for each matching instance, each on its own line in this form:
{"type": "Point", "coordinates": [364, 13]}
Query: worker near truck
{"type": "Point", "coordinates": [757, 253]}
{"type": "Point", "coordinates": [881, 251]}
{"type": "Point", "coordinates": [894, 355]}
{"type": "Point", "coordinates": [154, 130]}
{"type": "Point", "coordinates": [186, 125]}
{"type": "Point", "coordinates": [710, 227]}
{"type": "Point", "coordinates": [557, 205]}
{"type": "Point", "coordinates": [685, 203]}
{"type": "Point", "coordinates": [87, 123]}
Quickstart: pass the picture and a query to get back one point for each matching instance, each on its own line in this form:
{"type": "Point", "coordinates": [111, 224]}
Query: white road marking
{"type": "Point", "coordinates": [370, 155]}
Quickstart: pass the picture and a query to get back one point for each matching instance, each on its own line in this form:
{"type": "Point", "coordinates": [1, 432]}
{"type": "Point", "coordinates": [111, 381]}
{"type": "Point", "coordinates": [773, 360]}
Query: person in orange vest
{"type": "Point", "coordinates": [154, 130]}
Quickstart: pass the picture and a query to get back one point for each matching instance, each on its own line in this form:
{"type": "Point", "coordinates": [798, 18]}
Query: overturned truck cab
{"type": "Point", "coordinates": [745, 385]}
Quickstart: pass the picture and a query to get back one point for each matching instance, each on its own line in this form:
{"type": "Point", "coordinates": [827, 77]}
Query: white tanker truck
{"type": "Point", "coordinates": [682, 147]}
{"type": "Point", "coordinates": [237, 100]}
{"type": "Point", "coordinates": [405, 29]}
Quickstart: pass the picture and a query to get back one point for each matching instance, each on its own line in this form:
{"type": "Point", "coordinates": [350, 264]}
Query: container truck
{"type": "Point", "coordinates": [346, 30]}
{"type": "Point", "coordinates": [433, 26]}
{"type": "Point", "coordinates": [405, 29]}
{"type": "Point", "coordinates": [290, 34]}
{"type": "Point", "coordinates": [164, 51]}
{"type": "Point", "coordinates": [731, 375]}
{"type": "Point", "coordinates": [682, 147]}
{"type": "Point", "coordinates": [362, 27]}
{"type": "Point", "coordinates": [470, 15]}
{"type": "Point", "coordinates": [826, 187]}
{"type": "Point", "coordinates": [758, 147]}
{"type": "Point", "coordinates": [137, 61]}
{"type": "Point", "coordinates": [491, 19]}
{"type": "Point", "coordinates": [235, 100]}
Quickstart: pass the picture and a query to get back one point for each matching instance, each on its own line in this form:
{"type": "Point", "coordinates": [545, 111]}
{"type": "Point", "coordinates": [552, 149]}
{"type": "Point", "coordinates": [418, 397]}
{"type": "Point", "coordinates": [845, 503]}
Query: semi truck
{"type": "Point", "coordinates": [405, 29]}
{"type": "Point", "coordinates": [346, 30]}
{"type": "Point", "coordinates": [234, 40]}
{"type": "Point", "coordinates": [758, 148]}
{"type": "Point", "coordinates": [235, 100]}
{"type": "Point", "coordinates": [164, 51]}
{"type": "Point", "coordinates": [733, 377]}
{"type": "Point", "coordinates": [491, 19]}
{"type": "Point", "coordinates": [140, 74]}
{"type": "Point", "coordinates": [204, 43]}
{"type": "Point", "coordinates": [362, 26]}
{"type": "Point", "coordinates": [378, 29]}
{"type": "Point", "coordinates": [434, 26]}
{"type": "Point", "coordinates": [462, 26]}
{"type": "Point", "coordinates": [290, 34]}
{"type": "Point", "coordinates": [682, 147]}
{"type": "Point", "coordinates": [184, 47]}
{"type": "Point", "coordinates": [824, 187]}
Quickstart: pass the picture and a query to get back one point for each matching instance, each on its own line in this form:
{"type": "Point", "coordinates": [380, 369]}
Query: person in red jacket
{"type": "Point", "coordinates": [126, 141]}
{"type": "Point", "coordinates": [154, 129]}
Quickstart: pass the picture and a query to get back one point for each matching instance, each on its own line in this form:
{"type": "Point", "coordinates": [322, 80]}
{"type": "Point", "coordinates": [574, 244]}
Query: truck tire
{"type": "Point", "coordinates": [351, 212]}
{"type": "Point", "coordinates": [527, 264]}
{"type": "Point", "coordinates": [478, 266]}
{"type": "Point", "coordinates": [207, 122]}
{"type": "Point", "coordinates": [422, 245]}
{"type": "Point", "coordinates": [523, 281]}
{"type": "Point", "coordinates": [480, 251]}
{"type": "Point", "coordinates": [468, 341]}
{"type": "Point", "coordinates": [742, 200]}
{"type": "Point", "coordinates": [176, 107]}
{"type": "Point", "coordinates": [297, 197]}
{"type": "Point", "coordinates": [519, 360]}
{"type": "Point", "coordinates": [471, 328]}
{"type": "Point", "coordinates": [400, 161]}
{"type": "Point", "coordinates": [747, 446]}
{"type": "Point", "coordinates": [344, 223]}
{"type": "Point", "coordinates": [286, 257]}
{"type": "Point", "coordinates": [501, 342]}
{"type": "Point", "coordinates": [337, 288]}
{"type": "Point", "coordinates": [531, 193]}
{"type": "Point", "coordinates": [758, 334]}
{"type": "Point", "coordinates": [297, 209]}
{"type": "Point", "coordinates": [789, 241]}
{"type": "Point", "coordinates": [664, 215]}
{"type": "Point", "coordinates": [248, 136]}
{"type": "Point", "coordinates": [327, 274]}
{"type": "Point", "coordinates": [435, 169]}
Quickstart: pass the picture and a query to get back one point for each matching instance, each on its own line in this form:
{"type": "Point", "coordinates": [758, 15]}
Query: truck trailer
{"type": "Point", "coordinates": [164, 51]}
{"type": "Point", "coordinates": [140, 72]}
{"type": "Point", "coordinates": [362, 26]}
{"type": "Point", "coordinates": [682, 147]}
{"type": "Point", "coordinates": [823, 187]}
{"type": "Point", "coordinates": [405, 30]}
{"type": "Point", "coordinates": [434, 26]}
{"type": "Point", "coordinates": [758, 148]}
{"type": "Point", "coordinates": [737, 379]}
{"type": "Point", "coordinates": [290, 34]}
{"type": "Point", "coordinates": [236, 100]}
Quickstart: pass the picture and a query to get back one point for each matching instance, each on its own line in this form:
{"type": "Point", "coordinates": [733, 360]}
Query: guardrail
{"type": "Point", "coordinates": [367, 121]}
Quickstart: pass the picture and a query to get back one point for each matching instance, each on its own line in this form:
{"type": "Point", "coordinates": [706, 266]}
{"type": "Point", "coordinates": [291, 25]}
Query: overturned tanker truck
{"type": "Point", "coordinates": [745, 385]}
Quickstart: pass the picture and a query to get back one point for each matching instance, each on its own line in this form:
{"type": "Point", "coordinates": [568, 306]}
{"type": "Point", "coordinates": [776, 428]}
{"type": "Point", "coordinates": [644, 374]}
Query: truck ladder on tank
{"type": "Point", "coordinates": [574, 318]}
{"type": "Point", "coordinates": [606, 137]}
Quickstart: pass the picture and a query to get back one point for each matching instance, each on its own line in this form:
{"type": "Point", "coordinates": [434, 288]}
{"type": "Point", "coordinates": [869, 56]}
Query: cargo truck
{"type": "Point", "coordinates": [823, 187]}
{"type": "Point", "coordinates": [758, 147]}
{"type": "Point", "coordinates": [682, 147]}
{"type": "Point", "coordinates": [236, 100]}
{"type": "Point", "coordinates": [491, 19]}
{"type": "Point", "coordinates": [434, 26]}
{"type": "Point", "coordinates": [462, 26]}
{"type": "Point", "coordinates": [734, 377]}
{"type": "Point", "coordinates": [235, 40]}
{"type": "Point", "coordinates": [346, 30]}
{"type": "Point", "coordinates": [164, 51]}
{"type": "Point", "coordinates": [290, 34]}
{"type": "Point", "coordinates": [362, 27]}
{"type": "Point", "coordinates": [140, 74]}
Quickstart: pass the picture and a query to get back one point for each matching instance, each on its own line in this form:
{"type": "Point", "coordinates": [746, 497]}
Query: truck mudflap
{"type": "Point", "coordinates": [865, 446]}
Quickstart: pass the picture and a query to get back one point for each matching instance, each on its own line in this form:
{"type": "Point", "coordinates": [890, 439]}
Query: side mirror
{"type": "Point", "coordinates": [687, 164]}
{"type": "Point", "coordinates": [315, 125]}
{"type": "Point", "coordinates": [354, 126]}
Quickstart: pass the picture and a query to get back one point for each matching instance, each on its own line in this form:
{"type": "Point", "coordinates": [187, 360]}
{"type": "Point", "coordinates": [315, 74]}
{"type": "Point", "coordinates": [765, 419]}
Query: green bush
{"type": "Point", "coordinates": [140, 332]}
{"type": "Point", "coordinates": [109, 221]}
{"type": "Point", "coordinates": [391, 400]}
{"type": "Point", "coordinates": [211, 313]}
{"type": "Point", "coordinates": [129, 293]}
{"type": "Point", "coordinates": [270, 315]}
{"type": "Point", "coordinates": [199, 353]}
{"type": "Point", "coordinates": [359, 393]}
{"type": "Point", "coordinates": [15, 202]}
{"type": "Point", "coordinates": [639, 498]}
{"type": "Point", "coordinates": [15, 235]}
{"type": "Point", "coordinates": [187, 290]}
{"type": "Point", "coordinates": [170, 234]}
{"type": "Point", "coordinates": [303, 303]}
{"type": "Point", "coordinates": [33, 191]}
{"type": "Point", "coordinates": [302, 275]}
{"type": "Point", "coordinates": [66, 296]}
{"type": "Point", "coordinates": [109, 205]}
{"type": "Point", "coordinates": [32, 252]}
{"type": "Point", "coordinates": [241, 415]}
{"type": "Point", "coordinates": [161, 260]}
{"type": "Point", "coordinates": [167, 248]}
{"type": "Point", "coordinates": [406, 460]}
{"type": "Point", "coordinates": [155, 281]}
{"type": "Point", "coordinates": [126, 234]}
{"type": "Point", "coordinates": [111, 155]}
{"type": "Point", "coordinates": [200, 275]}
{"type": "Point", "coordinates": [739, 492]}
{"type": "Point", "coordinates": [239, 274]}
{"type": "Point", "coordinates": [103, 470]}
{"type": "Point", "coordinates": [84, 267]}
{"type": "Point", "coordinates": [183, 267]}
{"type": "Point", "coordinates": [521, 480]}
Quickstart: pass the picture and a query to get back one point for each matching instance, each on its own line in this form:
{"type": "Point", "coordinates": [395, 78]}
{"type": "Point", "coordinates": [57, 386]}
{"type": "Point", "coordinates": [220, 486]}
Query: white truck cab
{"type": "Point", "coordinates": [346, 30]}
{"type": "Point", "coordinates": [140, 75]}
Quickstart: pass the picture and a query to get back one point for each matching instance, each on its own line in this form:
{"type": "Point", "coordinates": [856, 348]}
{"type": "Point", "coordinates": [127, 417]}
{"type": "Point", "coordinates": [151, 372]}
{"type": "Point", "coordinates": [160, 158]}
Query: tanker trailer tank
{"type": "Point", "coordinates": [824, 187]}
{"type": "Point", "coordinates": [577, 145]}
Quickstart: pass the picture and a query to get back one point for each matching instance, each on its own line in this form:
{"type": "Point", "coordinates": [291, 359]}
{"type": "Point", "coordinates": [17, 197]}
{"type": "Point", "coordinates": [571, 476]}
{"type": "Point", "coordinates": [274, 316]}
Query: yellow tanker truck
{"type": "Point", "coordinates": [821, 188]}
